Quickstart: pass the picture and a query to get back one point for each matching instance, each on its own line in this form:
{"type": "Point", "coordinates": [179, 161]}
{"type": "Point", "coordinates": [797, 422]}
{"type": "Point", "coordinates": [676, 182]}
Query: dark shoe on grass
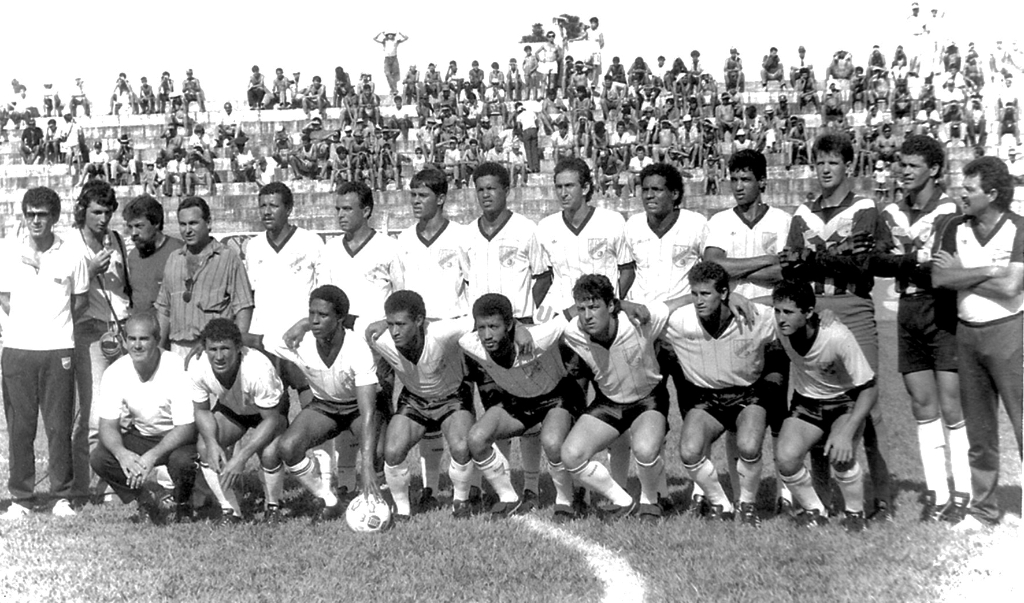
{"type": "Point", "coordinates": [227, 518]}
{"type": "Point", "coordinates": [504, 510]}
{"type": "Point", "coordinates": [321, 512]}
{"type": "Point", "coordinates": [698, 506]}
{"type": "Point", "coordinates": [564, 514]}
{"type": "Point", "coordinates": [718, 513]}
{"type": "Point", "coordinates": [462, 509]}
{"type": "Point", "coordinates": [530, 502]}
{"type": "Point", "coordinates": [427, 502]}
{"type": "Point", "coordinates": [650, 513]}
{"type": "Point", "coordinates": [812, 518]}
{"type": "Point", "coordinates": [853, 521]}
{"type": "Point", "coordinates": [883, 512]}
{"type": "Point", "coordinates": [272, 515]}
{"type": "Point", "coordinates": [612, 512]}
{"type": "Point", "coordinates": [748, 515]}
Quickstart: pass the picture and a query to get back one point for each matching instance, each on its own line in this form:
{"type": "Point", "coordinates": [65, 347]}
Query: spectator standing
{"type": "Point", "coordinates": [390, 42]}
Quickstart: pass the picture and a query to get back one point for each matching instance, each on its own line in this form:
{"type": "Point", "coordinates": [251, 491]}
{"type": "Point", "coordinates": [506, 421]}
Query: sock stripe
{"type": "Point", "coordinates": [273, 470]}
{"type": "Point", "coordinates": [656, 460]}
{"type": "Point", "coordinates": [756, 459]}
{"type": "Point", "coordinates": [921, 422]}
{"type": "Point", "coordinates": [955, 426]}
{"type": "Point", "coordinates": [694, 466]}
{"type": "Point", "coordinates": [303, 467]}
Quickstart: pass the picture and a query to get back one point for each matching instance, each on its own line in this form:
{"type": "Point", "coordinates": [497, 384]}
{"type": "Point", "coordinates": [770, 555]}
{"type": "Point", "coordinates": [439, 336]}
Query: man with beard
{"type": "Point", "coordinates": [144, 221]}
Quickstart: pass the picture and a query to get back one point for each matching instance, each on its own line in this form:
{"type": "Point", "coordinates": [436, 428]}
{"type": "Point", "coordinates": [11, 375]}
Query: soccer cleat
{"type": "Point", "coordinates": [667, 506]}
{"type": "Point", "coordinates": [503, 510]}
{"type": "Point", "coordinates": [462, 509]}
{"type": "Point", "coordinates": [612, 512]}
{"type": "Point", "coordinates": [931, 511]}
{"type": "Point", "coordinates": [345, 495]}
{"type": "Point", "coordinates": [882, 512]}
{"type": "Point", "coordinates": [853, 521]}
{"type": "Point", "coordinates": [272, 515]}
{"type": "Point", "coordinates": [564, 514]}
{"type": "Point", "coordinates": [183, 513]}
{"type": "Point", "coordinates": [227, 518]}
{"type": "Point", "coordinates": [748, 515]}
{"type": "Point", "coordinates": [15, 512]}
{"type": "Point", "coordinates": [812, 518]}
{"type": "Point", "coordinates": [530, 501]}
{"type": "Point", "coordinates": [718, 513]}
{"type": "Point", "coordinates": [698, 506]}
{"type": "Point", "coordinates": [162, 509]}
{"type": "Point", "coordinates": [784, 507]}
{"type": "Point", "coordinates": [649, 513]}
{"type": "Point", "coordinates": [958, 511]}
{"type": "Point", "coordinates": [321, 512]}
{"type": "Point", "coordinates": [62, 508]}
{"type": "Point", "coordinates": [427, 502]}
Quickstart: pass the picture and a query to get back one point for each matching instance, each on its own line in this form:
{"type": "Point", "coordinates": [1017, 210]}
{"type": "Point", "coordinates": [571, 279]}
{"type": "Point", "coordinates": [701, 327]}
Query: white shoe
{"type": "Point", "coordinates": [970, 524]}
{"type": "Point", "coordinates": [62, 508]}
{"type": "Point", "coordinates": [15, 512]}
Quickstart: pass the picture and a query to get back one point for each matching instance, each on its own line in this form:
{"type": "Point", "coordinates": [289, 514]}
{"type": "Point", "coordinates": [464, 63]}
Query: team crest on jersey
{"type": "Point", "coordinates": [446, 258]}
{"type": "Point", "coordinates": [681, 254]}
{"type": "Point", "coordinates": [598, 248]}
{"type": "Point", "coordinates": [507, 255]}
{"type": "Point", "coordinates": [770, 242]}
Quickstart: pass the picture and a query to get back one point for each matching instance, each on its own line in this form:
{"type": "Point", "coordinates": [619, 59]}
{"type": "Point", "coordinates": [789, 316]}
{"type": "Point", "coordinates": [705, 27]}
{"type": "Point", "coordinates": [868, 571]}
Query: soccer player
{"type": "Point", "coordinates": [146, 420]}
{"type": "Point", "coordinates": [833, 392]}
{"type": "Point", "coordinates": [926, 326]}
{"type": "Point", "coordinates": [982, 258]}
{"type": "Point", "coordinates": [247, 394]}
{"type": "Point", "coordinates": [830, 244]}
{"type": "Point", "coordinates": [340, 371]}
{"type": "Point", "coordinates": [724, 362]}
{"type": "Point", "coordinates": [745, 240]}
{"type": "Point", "coordinates": [519, 392]}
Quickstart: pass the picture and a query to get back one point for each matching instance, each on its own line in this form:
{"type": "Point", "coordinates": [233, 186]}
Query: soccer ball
{"type": "Point", "coordinates": [366, 514]}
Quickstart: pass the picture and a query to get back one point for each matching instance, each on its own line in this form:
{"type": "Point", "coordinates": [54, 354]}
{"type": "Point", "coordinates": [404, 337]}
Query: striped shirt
{"type": "Point", "coordinates": [912, 232]}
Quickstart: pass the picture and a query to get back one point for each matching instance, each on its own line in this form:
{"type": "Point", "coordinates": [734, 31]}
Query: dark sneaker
{"type": "Point", "coordinates": [667, 506]}
{"type": "Point", "coordinates": [698, 506]}
{"type": "Point", "coordinates": [931, 511]}
{"type": "Point", "coordinates": [812, 518]}
{"type": "Point", "coordinates": [784, 507]}
{"type": "Point", "coordinates": [183, 513]}
{"type": "Point", "coordinates": [272, 515]}
{"type": "Point", "coordinates": [614, 512]}
{"type": "Point", "coordinates": [227, 518]}
{"type": "Point", "coordinates": [163, 509]}
{"type": "Point", "coordinates": [427, 502]}
{"type": "Point", "coordinates": [530, 501]}
{"type": "Point", "coordinates": [321, 512]}
{"type": "Point", "coordinates": [958, 511]}
{"type": "Point", "coordinates": [345, 495]}
{"type": "Point", "coordinates": [580, 508]}
{"type": "Point", "coordinates": [564, 514]}
{"type": "Point", "coordinates": [883, 512]}
{"type": "Point", "coordinates": [462, 509]}
{"type": "Point", "coordinates": [718, 513]}
{"type": "Point", "coordinates": [397, 518]}
{"type": "Point", "coordinates": [649, 513]}
{"type": "Point", "coordinates": [142, 514]}
{"type": "Point", "coordinates": [853, 521]}
{"type": "Point", "coordinates": [748, 515]}
{"type": "Point", "coordinates": [476, 500]}
{"type": "Point", "coordinates": [504, 510]}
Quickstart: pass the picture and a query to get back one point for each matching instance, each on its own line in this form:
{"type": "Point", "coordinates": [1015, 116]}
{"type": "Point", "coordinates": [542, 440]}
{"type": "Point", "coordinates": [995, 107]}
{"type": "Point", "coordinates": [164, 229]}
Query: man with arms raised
{"type": "Point", "coordinates": [146, 420]}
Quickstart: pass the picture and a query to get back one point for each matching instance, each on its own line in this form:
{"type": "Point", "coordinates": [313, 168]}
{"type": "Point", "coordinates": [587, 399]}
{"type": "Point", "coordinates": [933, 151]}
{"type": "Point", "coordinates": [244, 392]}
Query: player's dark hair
{"type": "Point", "coordinates": [94, 191]}
{"type": "Point", "coordinates": [493, 304]}
{"type": "Point", "coordinates": [594, 287]}
{"type": "Point", "coordinates": [334, 296]}
{"type": "Point", "coordinates": [490, 168]}
{"type": "Point", "coordinates": [833, 142]}
{"type": "Point", "coordinates": [798, 292]}
{"type": "Point", "coordinates": [221, 329]}
{"type": "Point", "coordinates": [199, 202]}
{"type": "Point", "coordinates": [148, 318]}
{"type": "Point", "coordinates": [926, 147]}
{"type": "Point", "coordinates": [575, 164]}
{"type": "Point", "coordinates": [673, 179]}
{"type": "Point", "coordinates": [144, 206]}
{"type": "Point", "coordinates": [41, 196]}
{"type": "Point", "coordinates": [432, 178]}
{"type": "Point", "coordinates": [409, 302]}
{"type": "Point", "coordinates": [361, 190]}
{"type": "Point", "coordinates": [710, 272]}
{"type": "Point", "coordinates": [993, 175]}
{"type": "Point", "coordinates": [278, 188]}
{"type": "Point", "coordinates": [749, 159]}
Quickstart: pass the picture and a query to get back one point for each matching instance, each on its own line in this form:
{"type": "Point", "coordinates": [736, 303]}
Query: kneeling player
{"type": "Point", "coordinates": [248, 395]}
{"type": "Point", "coordinates": [834, 390]}
{"type": "Point", "coordinates": [725, 365]}
{"type": "Point", "coordinates": [519, 391]}
{"type": "Point", "coordinates": [341, 374]}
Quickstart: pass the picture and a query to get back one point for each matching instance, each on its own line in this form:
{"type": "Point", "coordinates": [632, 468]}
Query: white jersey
{"type": "Point", "coordinates": [734, 359]}
{"type": "Point", "coordinates": [256, 385]}
{"type": "Point", "coordinates": [596, 247]}
{"type": "Point", "coordinates": [368, 275]}
{"type": "Point", "coordinates": [353, 368]}
{"type": "Point", "coordinates": [153, 407]}
{"type": "Point", "coordinates": [1003, 246]}
{"type": "Point", "coordinates": [833, 366]}
{"type": "Point", "coordinates": [628, 370]}
{"type": "Point", "coordinates": [440, 370]}
{"type": "Point", "coordinates": [529, 376]}
{"type": "Point", "coordinates": [738, 238]}
{"type": "Point", "coordinates": [437, 269]}
{"type": "Point", "coordinates": [662, 263]}
{"type": "Point", "coordinates": [281, 279]}
{"type": "Point", "coordinates": [505, 262]}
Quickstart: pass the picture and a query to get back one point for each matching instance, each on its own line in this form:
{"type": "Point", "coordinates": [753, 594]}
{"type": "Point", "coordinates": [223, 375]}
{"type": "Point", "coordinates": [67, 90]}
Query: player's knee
{"type": "Point", "coordinates": [691, 450]}
{"type": "Point", "coordinates": [552, 445]}
{"type": "Point", "coordinates": [572, 456]}
{"type": "Point", "coordinates": [787, 461]}
{"type": "Point", "coordinates": [646, 452]}
{"type": "Point", "coordinates": [479, 442]}
{"type": "Point", "coordinates": [748, 445]}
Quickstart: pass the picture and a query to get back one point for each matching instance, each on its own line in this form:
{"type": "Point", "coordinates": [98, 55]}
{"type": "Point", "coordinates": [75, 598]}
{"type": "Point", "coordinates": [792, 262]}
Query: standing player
{"type": "Point", "coordinates": [926, 326]}
{"type": "Point", "coordinates": [982, 258]}
{"type": "Point", "coordinates": [833, 392]}
{"type": "Point", "coordinates": [732, 386]}
{"type": "Point", "coordinates": [245, 393]}
{"type": "Point", "coordinates": [746, 240]}
{"type": "Point", "coordinates": [830, 244]}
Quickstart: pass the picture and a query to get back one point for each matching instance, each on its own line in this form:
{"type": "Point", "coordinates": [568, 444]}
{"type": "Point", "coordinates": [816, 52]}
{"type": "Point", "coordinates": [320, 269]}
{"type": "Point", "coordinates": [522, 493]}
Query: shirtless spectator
{"type": "Point", "coordinates": [281, 91]}
{"type": "Point", "coordinates": [342, 86]}
{"type": "Point", "coordinates": [771, 68]}
{"type": "Point", "coordinates": [390, 42]}
{"type": "Point", "coordinates": [734, 79]}
{"type": "Point", "coordinates": [725, 116]}
{"type": "Point", "coordinates": [193, 91]}
{"type": "Point", "coordinates": [476, 78]}
{"type": "Point", "coordinates": [147, 98]}
{"type": "Point", "coordinates": [549, 56]}
{"type": "Point", "coordinates": [315, 96]}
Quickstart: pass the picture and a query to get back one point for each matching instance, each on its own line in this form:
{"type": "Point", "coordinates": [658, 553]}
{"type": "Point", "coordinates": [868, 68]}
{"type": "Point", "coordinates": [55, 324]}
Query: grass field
{"type": "Point", "coordinates": [101, 556]}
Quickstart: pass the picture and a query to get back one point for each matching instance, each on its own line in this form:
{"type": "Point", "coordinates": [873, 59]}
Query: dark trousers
{"type": "Point", "coordinates": [990, 367]}
{"type": "Point", "coordinates": [38, 382]}
{"type": "Point", "coordinates": [181, 464]}
{"type": "Point", "coordinates": [531, 148]}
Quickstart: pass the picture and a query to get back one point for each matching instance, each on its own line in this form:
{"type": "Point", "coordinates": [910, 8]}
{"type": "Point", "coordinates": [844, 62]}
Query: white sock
{"type": "Point", "coordinates": [306, 472]}
{"type": "Point", "coordinates": [563, 483]}
{"type": "Point", "coordinates": [851, 484]}
{"type": "Point", "coordinates": [750, 478]}
{"type": "Point", "coordinates": [732, 454]}
{"type": "Point", "coordinates": [227, 499]}
{"type": "Point", "coordinates": [958, 447]}
{"type": "Point", "coordinates": [529, 451]}
{"type": "Point", "coordinates": [595, 476]}
{"type": "Point", "coordinates": [495, 469]}
{"type": "Point", "coordinates": [932, 444]}
{"type": "Point", "coordinates": [705, 474]}
{"type": "Point", "coordinates": [619, 460]}
{"type": "Point", "coordinates": [781, 489]}
{"type": "Point", "coordinates": [697, 490]}
{"type": "Point", "coordinates": [397, 478]}
{"type": "Point", "coordinates": [462, 479]}
{"type": "Point", "coordinates": [650, 476]}
{"type": "Point", "coordinates": [163, 477]}
{"type": "Point", "coordinates": [273, 484]}
{"type": "Point", "coordinates": [505, 446]}
{"type": "Point", "coordinates": [802, 487]}
{"type": "Point", "coordinates": [347, 447]}
{"type": "Point", "coordinates": [431, 450]}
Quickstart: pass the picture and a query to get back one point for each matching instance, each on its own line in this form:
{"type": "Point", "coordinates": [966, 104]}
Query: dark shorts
{"type": "Point", "coordinates": [725, 405]}
{"type": "Point", "coordinates": [621, 416]}
{"type": "Point", "coordinates": [531, 411]}
{"type": "Point", "coordinates": [385, 388]}
{"type": "Point", "coordinates": [344, 414]}
{"type": "Point", "coordinates": [821, 413]}
{"type": "Point", "coordinates": [926, 333]}
{"type": "Point", "coordinates": [432, 413]}
{"type": "Point", "coordinates": [773, 397]}
{"type": "Point", "coordinates": [247, 421]}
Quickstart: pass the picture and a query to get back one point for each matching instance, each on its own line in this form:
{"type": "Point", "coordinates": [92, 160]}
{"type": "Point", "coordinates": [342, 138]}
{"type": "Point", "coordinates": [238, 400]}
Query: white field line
{"type": "Point", "coordinates": [621, 583]}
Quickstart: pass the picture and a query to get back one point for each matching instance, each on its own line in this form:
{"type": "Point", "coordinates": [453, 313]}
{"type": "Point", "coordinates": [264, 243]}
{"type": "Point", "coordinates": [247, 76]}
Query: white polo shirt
{"type": "Point", "coordinates": [833, 366]}
{"type": "Point", "coordinates": [437, 269]}
{"type": "Point", "coordinates": [529, 376]}
{"type": "Point", "coordinates": [41, 286]}
{"type": "Point", "coordinates": [256, 386]}
{"type": "Point", "coordinates": [1003, 246]}
{"type": "Point", "coordinates": [281, 279]}
{"type": "Point", "coordinates": [596, 247]}
{"type": "Point", "coordinates": [154, 406]}
{"type": "Point", "coordinates": [439, 371]}
{"type": "Point", "coordinates": [505, 262]}
{"type": "Point", "coordinates": [368, 275]}
{"type": "Point", "coordinates": [738, 238]}
{"type": "Point", "coordinates": [353, 368]}
{"type": "Point", "coordinates": [662, 263]}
